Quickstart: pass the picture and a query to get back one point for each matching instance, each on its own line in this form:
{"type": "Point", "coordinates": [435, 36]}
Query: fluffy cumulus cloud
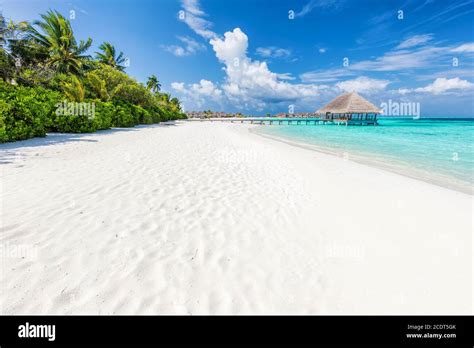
{"type": "Point", "coordinates": [250, 84]}
{"type": "Point", "coordinates": [443, 85]}
{"type": "Point", "coordinates": [178, 87]}
{"type": "Point", "coordinates": [363, 85]}
{"type": "Point", "coordinates": [206, 88]}
{"type": "Point", "coordinates": [198, 94]}
{"type": "Point", "coordinates": [251, 80]}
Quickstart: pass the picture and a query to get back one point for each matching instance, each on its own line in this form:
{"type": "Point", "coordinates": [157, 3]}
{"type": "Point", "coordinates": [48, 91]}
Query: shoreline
{"type": "Point", "coordinates": [212, 219]}
{"type": "Point", "coordinates": [374, 164]}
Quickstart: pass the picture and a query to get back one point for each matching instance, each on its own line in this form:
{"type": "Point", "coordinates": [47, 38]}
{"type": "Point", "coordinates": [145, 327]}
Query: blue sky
{"type": "Point", "coordinates": [259, 56]}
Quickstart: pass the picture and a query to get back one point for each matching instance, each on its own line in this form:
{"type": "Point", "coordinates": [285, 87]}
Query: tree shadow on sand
{"type": "Point", "coordinates": [8, 151]}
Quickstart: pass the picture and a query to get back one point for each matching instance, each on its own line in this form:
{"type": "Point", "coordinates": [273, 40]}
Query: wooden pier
{"type": "Point", "coordinates": [349, 109]}
{"type": "Point", "coordinates": [291, 121]}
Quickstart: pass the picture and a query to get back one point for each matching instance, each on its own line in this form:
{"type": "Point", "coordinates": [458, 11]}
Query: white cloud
{"type": "Point", "coordinates": [251, 81]}
{"type": "Point", "coordinates": [198, 94]}
{"type": "Point", "coordinates": [425, 58]}
{"type": "Point", "coordinates": [415, 40]}
{"type": "Point", "coordinates": [329, 75]}
{"type": "Point", "coordinates": [402, 59]}
{"type": "Point", "coordinates": [193, 17]}
{"type": "Point", "coordinates": [322, 50]}
{"type": "Point", "coordinates": [190, 47]}
{"type": "Point", "coordinates": [273, 52]}
{"type": "Point", "coordinates": [178, 51]}
{"type": "Point", "coordinates": [363, 84]}
{"type": "Point", "coordinates": [468, 47]}
{"type": "Point", "coordinates": [443, 85]}
{"type": "Point", "coordinates": [192, 6]}
{"type": "Point", "coordinates": [232, 48]}
{"type": "Point", "coordinates": [206, 88]}
{"type": "Point", "coordinates": [248, 83]}
{"type": "Point", "coordinates": [323, 4]}
{"type": "Point", "coordinates": [178, 86]}
{"type": "Point", "coordinates": [285, 76]}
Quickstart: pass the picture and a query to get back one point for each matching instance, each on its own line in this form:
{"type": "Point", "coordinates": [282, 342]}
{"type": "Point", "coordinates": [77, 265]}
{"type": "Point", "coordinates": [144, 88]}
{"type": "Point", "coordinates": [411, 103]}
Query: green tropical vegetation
{"type": "Point", "coordinates": [108, 56]}
{"type": "Point", "coordinates": [47, 78]}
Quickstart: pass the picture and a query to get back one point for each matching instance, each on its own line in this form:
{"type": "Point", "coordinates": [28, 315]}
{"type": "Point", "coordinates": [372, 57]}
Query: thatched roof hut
{"type": "Point", "coordinates": [349, 103]}
{"type": "Point", "coordinates": [350, 108]}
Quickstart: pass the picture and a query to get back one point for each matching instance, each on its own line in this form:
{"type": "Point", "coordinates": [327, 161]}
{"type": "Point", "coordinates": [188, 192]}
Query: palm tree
{"type": "Point", "coordinates": [74, 90]}
{"type": "Point", "coordinates": [107, 56]}
{"type": "Point", "coordinates": [3, 30]}
{"type": "Point", "coordinates": [153, 84]}
{"type": "Point", "coordinates": [175, 104]}
{"type": "Point", "coordinates": [55, 34]}
{"type": "Point", "coordinates": [165, 98]}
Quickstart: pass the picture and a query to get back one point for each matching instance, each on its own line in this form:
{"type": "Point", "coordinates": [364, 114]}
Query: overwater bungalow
{"type": "Point", "coordinates": [350, 108]}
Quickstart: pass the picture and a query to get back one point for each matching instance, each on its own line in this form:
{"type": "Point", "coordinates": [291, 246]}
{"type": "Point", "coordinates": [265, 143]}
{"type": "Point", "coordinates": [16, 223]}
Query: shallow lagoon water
{"type": "Point", "coordinates": [440, 151]}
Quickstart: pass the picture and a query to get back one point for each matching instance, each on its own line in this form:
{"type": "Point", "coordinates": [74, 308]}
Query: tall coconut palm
{"type": "Point", "coordinates": [153, 84]}
{"type": "Point", "coordinates": [108, 56]}
{"type": "Point", "coordinates": [55, 34]}
{"type": "Point", "coordinates": [175, 104]}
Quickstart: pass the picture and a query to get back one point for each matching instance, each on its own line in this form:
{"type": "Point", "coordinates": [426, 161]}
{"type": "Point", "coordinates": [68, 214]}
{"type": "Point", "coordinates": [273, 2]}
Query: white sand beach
{"type": "Point", "coordinates": [209, 218]}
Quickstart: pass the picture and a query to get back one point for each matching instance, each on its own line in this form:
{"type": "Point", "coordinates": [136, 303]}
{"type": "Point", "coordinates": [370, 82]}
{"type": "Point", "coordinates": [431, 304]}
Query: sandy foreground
{"type": "Point", "coordinates": [208, 218]}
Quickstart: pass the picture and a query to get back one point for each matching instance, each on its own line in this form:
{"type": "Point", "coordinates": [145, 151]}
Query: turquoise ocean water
{"type": "Point", "coordinates": [439, 151]}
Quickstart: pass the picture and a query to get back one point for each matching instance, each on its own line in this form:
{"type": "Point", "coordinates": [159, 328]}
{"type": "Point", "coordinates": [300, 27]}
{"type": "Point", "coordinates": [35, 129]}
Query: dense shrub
{"type": "Point", "coordinates": [122, 115]}
{"type": "Point", "coordinates": [74, 124]}
{"type": "Point", "coordinates": [25, 112]}
{"type": "Point", "coordinates": [141, 115]}
{"type": "Point", "coordinates": [103, 114]}
{"type": "Point", "coordinates": [106, 115]}
{"type": "Point", "coordinates": [4, 111]}
{"type": "Point", "coordinates": [51, 72]}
